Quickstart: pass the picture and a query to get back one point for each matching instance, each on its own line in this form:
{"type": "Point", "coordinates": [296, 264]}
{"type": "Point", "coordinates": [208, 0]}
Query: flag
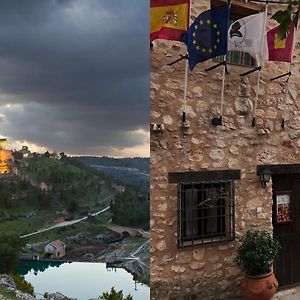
{"type": "Point", "coordinates": [280, 50]}
{"type": "Point", "coordinates": [169, 19]}
{"type": "Point", "coordinates": [246, 35]}
{"type": "Point", "coordinates": [207, 36]}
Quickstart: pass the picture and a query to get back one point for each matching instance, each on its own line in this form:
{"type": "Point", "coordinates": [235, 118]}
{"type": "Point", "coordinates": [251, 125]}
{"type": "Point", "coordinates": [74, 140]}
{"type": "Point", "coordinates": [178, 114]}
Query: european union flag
{"type": "Point", "coordinates": [207, 36]}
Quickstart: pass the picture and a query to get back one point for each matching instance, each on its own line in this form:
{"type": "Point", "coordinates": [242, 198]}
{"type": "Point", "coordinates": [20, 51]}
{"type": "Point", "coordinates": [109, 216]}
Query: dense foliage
{"type": "Point", "coordinates": [140, 163]}
{"type": "Point", "coordinates": [130, 170]}
{"type": "Point", "coordinates": [256, 252]}
{"type": "Point", "coordinates": [114, 295]}
{"type": "Point", "coordinates": [130, 210]}
{"type": "Point", "coordinates": [10, 248]}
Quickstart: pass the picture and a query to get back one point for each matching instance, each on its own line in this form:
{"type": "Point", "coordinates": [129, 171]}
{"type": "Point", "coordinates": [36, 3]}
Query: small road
{"type": "Point", "coordinates": [65, 223]}
{"type": "Point", "coordinates": [133, 255]}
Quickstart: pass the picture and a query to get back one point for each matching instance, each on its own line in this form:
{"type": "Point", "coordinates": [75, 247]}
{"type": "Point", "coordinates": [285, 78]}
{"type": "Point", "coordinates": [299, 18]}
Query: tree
{"type": "Point", "coordinates": [10, 248]}
{"type": "Point", "coordinates": [114, 295]}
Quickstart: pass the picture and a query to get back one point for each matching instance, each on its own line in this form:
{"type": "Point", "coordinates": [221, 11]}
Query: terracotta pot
{"type": "Point", "coordinates": [261, 287]}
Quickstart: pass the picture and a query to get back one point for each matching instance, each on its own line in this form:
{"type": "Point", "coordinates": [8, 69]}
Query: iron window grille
{"type": "Point", "coordinates": [205, 213]}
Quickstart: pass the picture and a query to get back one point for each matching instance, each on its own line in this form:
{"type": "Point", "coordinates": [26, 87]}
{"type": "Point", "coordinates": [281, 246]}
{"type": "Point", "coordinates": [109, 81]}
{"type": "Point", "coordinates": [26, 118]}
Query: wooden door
{"type": "Point", "coordinates": [286, 222]}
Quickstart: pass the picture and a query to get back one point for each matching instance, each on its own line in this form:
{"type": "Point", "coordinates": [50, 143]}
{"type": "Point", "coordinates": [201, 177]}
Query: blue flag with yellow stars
{"type": "Point", "coordinates": [207, 36]}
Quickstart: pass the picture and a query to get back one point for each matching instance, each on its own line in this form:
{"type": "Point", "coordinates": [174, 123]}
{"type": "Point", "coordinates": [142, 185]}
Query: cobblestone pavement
{"type": "Point", "coordinates": [290, 294]}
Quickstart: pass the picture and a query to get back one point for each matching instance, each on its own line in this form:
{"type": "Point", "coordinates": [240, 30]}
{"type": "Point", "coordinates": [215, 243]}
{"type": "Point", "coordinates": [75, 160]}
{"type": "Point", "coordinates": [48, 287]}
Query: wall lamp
{"type": "Point", "coordinates": [265, 177]}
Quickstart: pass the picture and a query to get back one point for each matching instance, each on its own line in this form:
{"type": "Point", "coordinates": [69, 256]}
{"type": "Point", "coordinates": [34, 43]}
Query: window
{"type": "Point", "coordinates": [205, 212]}
{"type": "Point", "coordinates": [238, 11]}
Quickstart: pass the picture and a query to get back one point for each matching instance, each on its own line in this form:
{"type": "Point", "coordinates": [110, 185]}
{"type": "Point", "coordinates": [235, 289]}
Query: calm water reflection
{"type": "Point", "coordinates": [81, 280]}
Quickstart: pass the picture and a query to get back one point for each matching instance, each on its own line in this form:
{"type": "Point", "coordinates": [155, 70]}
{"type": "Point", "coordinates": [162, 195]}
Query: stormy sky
{"type": "Point", "coordinates": [74, 76]}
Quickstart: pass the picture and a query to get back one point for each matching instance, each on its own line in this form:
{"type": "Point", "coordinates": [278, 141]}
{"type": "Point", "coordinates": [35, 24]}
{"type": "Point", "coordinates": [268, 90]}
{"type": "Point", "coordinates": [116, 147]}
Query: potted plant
{"type": "Point", "coordinates": [255, 255]}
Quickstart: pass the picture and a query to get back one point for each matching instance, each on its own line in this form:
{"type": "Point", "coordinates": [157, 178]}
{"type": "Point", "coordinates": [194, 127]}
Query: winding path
{"type": "Point", "coordinates": [65, 223]}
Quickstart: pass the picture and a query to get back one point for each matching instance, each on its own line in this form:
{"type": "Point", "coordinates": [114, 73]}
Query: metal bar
{"type": "Point", "coordinates": [185, 85]}
{"type": "Point", "coordinates": [177, 60]}
{"type": "Point", "coordinates": [286, 95]}
{"type": "Point", "coordinates": [179, 219]}
{"type": "Point", "coordinates": [251, 71]}
{"type": "Point", "coordinates": [216, 66]}
{"type": "Point", "coordinates": [280, 76]}
{"type": "Point", "coordinates": [223, 88]}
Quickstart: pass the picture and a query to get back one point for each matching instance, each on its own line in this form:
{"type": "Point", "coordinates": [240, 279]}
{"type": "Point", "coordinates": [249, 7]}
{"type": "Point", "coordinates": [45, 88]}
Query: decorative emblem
{"type": "Point", "coordinates": [171, 18]}
{"type": "Point", "coordinates": [238, 34]}
{"type": "Point", "coordinates": [279, 44]}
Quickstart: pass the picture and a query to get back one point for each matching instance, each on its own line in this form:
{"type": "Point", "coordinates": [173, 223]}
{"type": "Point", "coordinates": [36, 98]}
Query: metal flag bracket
{"type": "Point", "coordinates": [282, 75]}
{"type": "Point", "coordinates": [223, 63]}
{"type": "Point", "coordinates": [178, 60]}
{"type": "Point", "coordinates": [251, 71]}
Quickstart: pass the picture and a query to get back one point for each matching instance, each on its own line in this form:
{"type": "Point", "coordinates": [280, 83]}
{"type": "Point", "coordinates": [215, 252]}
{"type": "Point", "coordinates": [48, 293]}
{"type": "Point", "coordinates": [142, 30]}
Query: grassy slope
{"type": "Point", "coordinates": [64, 176]}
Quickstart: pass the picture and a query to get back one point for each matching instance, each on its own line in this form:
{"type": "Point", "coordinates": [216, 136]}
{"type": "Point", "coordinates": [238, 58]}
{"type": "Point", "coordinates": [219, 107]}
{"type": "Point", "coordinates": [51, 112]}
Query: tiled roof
{"type": "Point", "coordinates": [57, 244]}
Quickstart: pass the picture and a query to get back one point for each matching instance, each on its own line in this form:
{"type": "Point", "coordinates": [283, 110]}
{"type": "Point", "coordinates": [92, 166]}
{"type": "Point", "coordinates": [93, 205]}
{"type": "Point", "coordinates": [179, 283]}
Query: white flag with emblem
{"type": "Point", "coordinates": [246, 35]}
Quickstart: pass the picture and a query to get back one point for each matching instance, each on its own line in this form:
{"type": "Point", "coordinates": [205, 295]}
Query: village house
{"type": "Point", "coordinates": [55, 249]}
{"type": "Point", "coordinates": [213, 178]}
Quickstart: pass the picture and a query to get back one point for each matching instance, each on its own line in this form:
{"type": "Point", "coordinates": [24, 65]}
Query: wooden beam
{"type": "Point", "coordinates": [204, 176]}
{"type": "Point", "coordinates": [278, 169]}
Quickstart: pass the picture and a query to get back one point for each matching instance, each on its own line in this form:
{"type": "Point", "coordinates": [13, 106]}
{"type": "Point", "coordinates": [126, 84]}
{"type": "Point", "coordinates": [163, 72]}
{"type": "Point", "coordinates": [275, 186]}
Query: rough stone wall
{"type": "Point", "coordinates": [208, 272]}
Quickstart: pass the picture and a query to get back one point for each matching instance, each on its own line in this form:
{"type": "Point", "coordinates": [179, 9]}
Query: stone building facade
{"type": "Point", "coordinates": [201, 154]}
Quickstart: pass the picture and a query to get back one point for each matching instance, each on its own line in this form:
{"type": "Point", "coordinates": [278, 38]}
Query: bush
{"type": "Point", "coordinates": [256, 252]}
{"type": "Point", "coordinates": [23, 285]}
{"type": "Point", "coordinates": [114, 295]}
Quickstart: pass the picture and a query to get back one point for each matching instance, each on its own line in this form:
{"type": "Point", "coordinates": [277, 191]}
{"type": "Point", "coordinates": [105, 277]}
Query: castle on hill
{"type": "Point", "coordinates": [6, 157]}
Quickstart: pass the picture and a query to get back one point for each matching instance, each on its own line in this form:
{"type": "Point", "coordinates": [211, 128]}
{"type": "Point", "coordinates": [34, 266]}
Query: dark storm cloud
{"type": "Point", "coordinates": [78, 68]}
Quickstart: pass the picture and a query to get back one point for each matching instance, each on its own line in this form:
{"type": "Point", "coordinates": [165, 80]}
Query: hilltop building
{"type": "Point", "coordinates": [6, 157]}
{"type": "Point", "coordinates": [25, 152]}
{"type": "Point", "coordinates": [211, 182]}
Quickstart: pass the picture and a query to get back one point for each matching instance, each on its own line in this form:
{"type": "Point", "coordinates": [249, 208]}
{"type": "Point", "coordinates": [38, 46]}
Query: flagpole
{"type": "Point", "coordinates": [283, 117]}
{"type": "Point", "coordinates": [186, 74]}
{"type": "Point", "coordinates": [223, 88]}
{"type": "Point", "coordinates": [185, 90]}
{"type": "Point", "coordinates": [259, 65]}
{"type": "Point", "coordinates": [216, 121]}
{"type": "Point", "coordinates": [288, 81]}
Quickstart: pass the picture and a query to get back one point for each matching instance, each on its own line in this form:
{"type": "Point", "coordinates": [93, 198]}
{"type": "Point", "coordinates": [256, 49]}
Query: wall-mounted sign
{"type": "Point", "coordinates": [283, 207]}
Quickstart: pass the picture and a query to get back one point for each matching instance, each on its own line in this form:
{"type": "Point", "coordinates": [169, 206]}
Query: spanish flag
{"type": "Point", "coordinates": [169, 19]}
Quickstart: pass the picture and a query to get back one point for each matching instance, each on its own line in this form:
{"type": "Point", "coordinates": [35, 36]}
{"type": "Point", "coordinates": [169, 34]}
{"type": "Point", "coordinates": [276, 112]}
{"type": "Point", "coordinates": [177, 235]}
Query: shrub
{"type": "Point", "coordinates": [256, 252]}
{"type": "Point", "coordinates": [23, 285]}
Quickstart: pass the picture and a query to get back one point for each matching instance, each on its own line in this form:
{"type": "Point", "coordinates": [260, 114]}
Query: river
{"type": "Point", "coordinates": [80, 280]}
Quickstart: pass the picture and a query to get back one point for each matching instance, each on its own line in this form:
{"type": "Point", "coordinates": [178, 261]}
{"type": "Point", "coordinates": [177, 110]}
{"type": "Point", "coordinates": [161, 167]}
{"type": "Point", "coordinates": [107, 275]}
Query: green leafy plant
{"type": "Point", "coordinates": [23, 285]}
{"type": "Point", "coordinates": [256, 252]}
{"type": "Point", "coordinates": [114, 295]}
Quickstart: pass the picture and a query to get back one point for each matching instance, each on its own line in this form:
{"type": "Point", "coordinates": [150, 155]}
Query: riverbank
{"type": "Point", "coordinates": [91, 241]}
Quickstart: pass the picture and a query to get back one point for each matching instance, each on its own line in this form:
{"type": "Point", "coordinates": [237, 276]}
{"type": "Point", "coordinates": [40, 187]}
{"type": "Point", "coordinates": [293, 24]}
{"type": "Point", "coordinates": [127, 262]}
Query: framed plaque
{"type": "Point", "coordinates": [283, 207]}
